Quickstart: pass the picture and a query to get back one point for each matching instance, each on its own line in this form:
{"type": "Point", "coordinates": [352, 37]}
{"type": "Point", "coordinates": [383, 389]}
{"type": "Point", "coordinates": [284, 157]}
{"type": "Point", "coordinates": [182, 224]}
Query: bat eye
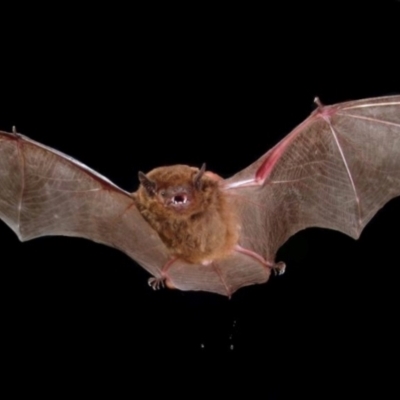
{"type": "Point", "coordinates": [163, 193]}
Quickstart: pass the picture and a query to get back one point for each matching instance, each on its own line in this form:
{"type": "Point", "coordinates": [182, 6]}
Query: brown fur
{"type": "Point", "coordinates": [202, 232]}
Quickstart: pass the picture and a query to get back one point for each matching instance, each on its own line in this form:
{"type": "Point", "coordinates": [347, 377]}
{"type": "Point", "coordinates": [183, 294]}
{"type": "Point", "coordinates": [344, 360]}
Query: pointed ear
{"type": "Point", "coordinates": [147, 183]}
{"type": "Point", "coordinates": [198, 176]}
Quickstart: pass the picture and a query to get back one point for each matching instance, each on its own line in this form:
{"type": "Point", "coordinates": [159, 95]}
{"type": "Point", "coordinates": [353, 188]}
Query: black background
{"type": "Point", "coordinates": [126, 91]}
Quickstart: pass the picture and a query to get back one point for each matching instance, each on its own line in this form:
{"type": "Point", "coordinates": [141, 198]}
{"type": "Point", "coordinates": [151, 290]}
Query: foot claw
{"type": "Point", "coordinates": [156, 283]}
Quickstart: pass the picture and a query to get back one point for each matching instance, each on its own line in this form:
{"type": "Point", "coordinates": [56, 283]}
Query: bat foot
{"type": "Point", "coordinates": [279, 268]}
{"type": "Point", "coordinates": [156, 283]}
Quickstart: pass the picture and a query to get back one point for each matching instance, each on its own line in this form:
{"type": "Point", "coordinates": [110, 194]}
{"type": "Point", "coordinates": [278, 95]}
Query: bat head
{"type": "Point", "coordinates": [177, 190]}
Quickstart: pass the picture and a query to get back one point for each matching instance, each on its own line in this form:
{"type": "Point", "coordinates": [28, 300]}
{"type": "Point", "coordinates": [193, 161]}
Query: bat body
{"type": "Point", "coordinates": [196, 231]}
{"type": "Point", "coordinates": [189, 211]}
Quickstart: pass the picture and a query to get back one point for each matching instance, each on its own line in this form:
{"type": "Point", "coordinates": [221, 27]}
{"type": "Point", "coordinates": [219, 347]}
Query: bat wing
{"type": "Point", "coordinates": [44, 192]}
{"type": "Point", "coordinates": [335, 170]}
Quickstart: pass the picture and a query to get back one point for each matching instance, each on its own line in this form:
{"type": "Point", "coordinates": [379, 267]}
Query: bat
{"type": "Point", "coordinates": [193, 230]}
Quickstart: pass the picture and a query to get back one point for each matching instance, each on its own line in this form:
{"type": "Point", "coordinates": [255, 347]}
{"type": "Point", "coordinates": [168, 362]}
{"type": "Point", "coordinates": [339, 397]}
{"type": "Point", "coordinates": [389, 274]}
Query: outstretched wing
{"type": "Point", "coordinates": [44, 192]}
{"type": "Point", "coordinates": [335, 170]}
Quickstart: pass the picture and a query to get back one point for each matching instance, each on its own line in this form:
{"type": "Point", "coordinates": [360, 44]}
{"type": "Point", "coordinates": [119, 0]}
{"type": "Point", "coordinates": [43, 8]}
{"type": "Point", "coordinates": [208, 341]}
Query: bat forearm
{"type": "Point", "coordinates": [244, 183]}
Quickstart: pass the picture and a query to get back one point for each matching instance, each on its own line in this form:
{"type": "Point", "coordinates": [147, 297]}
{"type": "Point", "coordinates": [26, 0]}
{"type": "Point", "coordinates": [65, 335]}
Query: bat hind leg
{"type": "Point", "coordinates": [278, 268]}
{"type": "Point", "coordinates": [163, 280]}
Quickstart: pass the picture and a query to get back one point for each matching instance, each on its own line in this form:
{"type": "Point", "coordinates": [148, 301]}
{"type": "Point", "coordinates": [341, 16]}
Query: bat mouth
{"type": "Point", "coordinates": [179, 199]}
{"type": "Point", "coordinates": [179, 202]}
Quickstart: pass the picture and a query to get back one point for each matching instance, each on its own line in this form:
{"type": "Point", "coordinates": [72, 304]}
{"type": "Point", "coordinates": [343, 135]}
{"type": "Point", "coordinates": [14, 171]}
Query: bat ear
{"type": "Point", "coordinates": [198, 176]}
{"type": "Point", "coordinates": [147, 183]}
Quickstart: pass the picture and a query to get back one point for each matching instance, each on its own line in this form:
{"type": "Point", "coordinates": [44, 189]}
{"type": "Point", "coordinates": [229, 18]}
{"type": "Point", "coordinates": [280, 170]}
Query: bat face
{"type": "Point", "coordinates": [172, 191]}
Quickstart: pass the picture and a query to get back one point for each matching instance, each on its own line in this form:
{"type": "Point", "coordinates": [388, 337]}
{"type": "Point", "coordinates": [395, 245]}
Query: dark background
{"type": "Point", "coordinates": [123, 92]}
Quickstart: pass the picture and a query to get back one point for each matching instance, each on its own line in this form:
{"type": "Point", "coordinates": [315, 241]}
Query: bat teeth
{"type": "Point", "coordinates": [179, 199]}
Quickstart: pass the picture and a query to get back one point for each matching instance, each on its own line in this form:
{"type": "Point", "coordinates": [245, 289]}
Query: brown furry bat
{"type": "Point", "coordinates": [187, 208]}
{"type": "Point", "coordinates": [194, 230]}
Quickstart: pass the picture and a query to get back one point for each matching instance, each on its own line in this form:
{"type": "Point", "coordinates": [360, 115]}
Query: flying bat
{"type": "Point", "coordinates": [193, 230]}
